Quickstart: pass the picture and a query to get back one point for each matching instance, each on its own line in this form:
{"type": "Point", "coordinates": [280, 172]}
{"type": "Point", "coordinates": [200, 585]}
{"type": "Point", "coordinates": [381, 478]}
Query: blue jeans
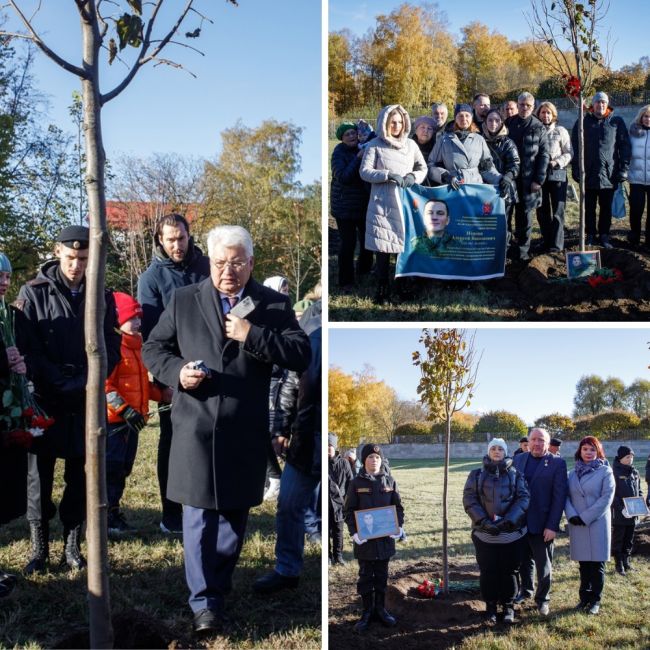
{"type": "Point", "coordinates": [121, 449]}
{"type": "Point", "coordinates": [297, 492]}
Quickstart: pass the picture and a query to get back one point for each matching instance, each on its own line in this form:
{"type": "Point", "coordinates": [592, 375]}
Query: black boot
{"type": "Point", "coordinates": [491, 612]}
{"type": "Point", "coordinates": [619, 565]}
{"type": "Point", "coordinates": [7, 583]}
{"type": "Point", "coordinates": [364, 622]}
{"type": "Point", "coordinates": [382, 296]}
{"type": "Point", "coordinates": [39, 538]}
{"type": "Point", "coordinates": [72, 548]}
{"type": "Point", "coordinates": [386, 618]}
{"type": "Point", "coordinates": [626, 563]}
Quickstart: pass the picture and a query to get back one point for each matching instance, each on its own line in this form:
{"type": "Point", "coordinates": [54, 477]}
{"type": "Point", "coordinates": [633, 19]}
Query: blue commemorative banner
{"type": "Point", "coordinates": [453, 234]}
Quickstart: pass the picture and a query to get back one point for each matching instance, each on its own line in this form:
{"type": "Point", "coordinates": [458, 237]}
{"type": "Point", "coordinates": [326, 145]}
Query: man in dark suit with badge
{"type": "Point", "coordinates": [219, 364]}
{"type": "Point", "coordinates": [546, 476]}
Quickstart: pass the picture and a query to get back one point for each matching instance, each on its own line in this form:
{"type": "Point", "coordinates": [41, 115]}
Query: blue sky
{"type": "Point", "coordinates": [262, 60]}
{"type": "Point", "coordinates": [628, 29]}
{"type": "Point", "coordinates": [528, 371]}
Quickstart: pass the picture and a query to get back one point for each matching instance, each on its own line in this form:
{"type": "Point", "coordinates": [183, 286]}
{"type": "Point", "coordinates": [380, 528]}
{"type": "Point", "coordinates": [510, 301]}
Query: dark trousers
{"type": "Point", "coordinates": [537, 556]}
{"type": "Point", "coordinates": [121, 448]}
{"type": "Point", "coordinates": [622, 540]}
{"type": "Point", "coordinates": [639, 199]}
{"type": "Point", "coordinates": [604, 200]}
{"type": "Point", "coordinates": [40, 479]}
{"type": "Point", "coordinates": [523, 228]}
{"type": "Point", "coordinates": [498, 564]}
{"type": "Point", "coordinates": [169, 508]}
{"type": "Point", "coordinates": [212, 542]}
{"type": "Point", "coordinates": [335, 537]}
{"type": "Point", "coordinates": [550, 215]}
{"type": "Point", "coordinates": [592, 581]}
{"type": "Point", "coordinates": [352, 231]}
{"type": "Point", "coordinates": [382, 267]}
{"type": "Point", "coordinates": [373, 577]}
{"type": "Point", "coordinates": [273, 469]}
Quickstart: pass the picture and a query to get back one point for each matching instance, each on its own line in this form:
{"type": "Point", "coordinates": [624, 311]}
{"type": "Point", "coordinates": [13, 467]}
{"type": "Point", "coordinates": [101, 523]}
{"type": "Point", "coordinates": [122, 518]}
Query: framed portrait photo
{"type": "Point", "coordinates": [635, 506]}
{"type": "Point", "coordinates": [376, 522]}
{"type": "Point", "coordinates": [581, 264]}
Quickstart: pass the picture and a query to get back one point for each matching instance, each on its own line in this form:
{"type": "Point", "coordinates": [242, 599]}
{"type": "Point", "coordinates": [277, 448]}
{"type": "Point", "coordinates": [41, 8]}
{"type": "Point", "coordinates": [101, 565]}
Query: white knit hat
{"type": "Point", "coordinates": [498, 442]}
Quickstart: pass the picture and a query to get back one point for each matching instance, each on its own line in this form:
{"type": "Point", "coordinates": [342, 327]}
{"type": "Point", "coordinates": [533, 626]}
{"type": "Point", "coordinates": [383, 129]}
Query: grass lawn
{"type": "Point", "coordinates": [623, 622]}
{"type": "Point", "coordinates": [148, 584]}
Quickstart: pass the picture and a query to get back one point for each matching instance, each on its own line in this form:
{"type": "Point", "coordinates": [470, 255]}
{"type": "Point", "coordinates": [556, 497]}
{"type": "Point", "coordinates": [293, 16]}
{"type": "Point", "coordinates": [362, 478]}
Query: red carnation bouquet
{"type": "Point", "coordinates": [21, 419]}
{"type": "Point", "coordinates": [431, 589]}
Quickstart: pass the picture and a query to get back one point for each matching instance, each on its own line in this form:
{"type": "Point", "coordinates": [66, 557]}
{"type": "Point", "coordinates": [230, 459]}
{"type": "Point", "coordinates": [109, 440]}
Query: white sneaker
{"type": "Point", "coordinates": [272, 490]}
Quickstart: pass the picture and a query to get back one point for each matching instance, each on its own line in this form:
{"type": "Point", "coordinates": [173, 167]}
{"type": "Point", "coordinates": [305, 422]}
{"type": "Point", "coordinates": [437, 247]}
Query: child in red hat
{"type": "Point", "coordinates": [128, 391]}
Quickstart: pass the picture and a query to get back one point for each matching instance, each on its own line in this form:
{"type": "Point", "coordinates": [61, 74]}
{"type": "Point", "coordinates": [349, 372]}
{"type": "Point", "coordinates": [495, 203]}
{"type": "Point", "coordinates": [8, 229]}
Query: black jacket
{"type": "Point", "coordinates": [340, 476]}
{"type": "Point", "coordinates": [220, 442]}
{"type": "Point", "coordinates": [607, 151]}
{"type": "Point", "coordinates": [52, 340]}
{"type": "Point", "coordinates": [348, 192]}
{"type": "Point", "coordinates": [163, 276]}
{"type": "Point", "coordinates": [367, 491]}
{"type": "Point", "coordinates": [283, 397]}
{"type": "Point", "coordinates": [628, 484]}
{"type": "Point", "coordinates": [530, 138]}
{"type": "Point", "coordinates": [496, 489]}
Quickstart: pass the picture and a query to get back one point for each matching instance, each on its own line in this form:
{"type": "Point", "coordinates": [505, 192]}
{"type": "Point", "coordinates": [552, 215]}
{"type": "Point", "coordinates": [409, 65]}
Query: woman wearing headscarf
{"type": "Point", "coordinates": [639, 176]}
{"type": "Point", "coordinates": [390, 162]}
{"type": "Point", "coordinates": [591, 492]}
{"type": "Point", "coordinates": [348, 204]}
{"type": "Point", "coordinates": [550, 215]}
{"type": "Point", "coordinates": [496, 499]}
{"type": "Point", "coordinates": [505, 158]}
{"type": "Point", "coordinates": [462, 155]}
{"type": "Point", "coordinates": [13, 459]}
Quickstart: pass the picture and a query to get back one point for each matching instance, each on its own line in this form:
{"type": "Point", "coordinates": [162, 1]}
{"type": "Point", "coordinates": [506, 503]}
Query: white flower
{"type": "Point", "coordinates": [36, 432]}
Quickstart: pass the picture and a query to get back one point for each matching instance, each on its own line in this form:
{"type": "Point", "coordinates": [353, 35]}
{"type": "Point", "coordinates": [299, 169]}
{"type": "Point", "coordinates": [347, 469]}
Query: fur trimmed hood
{"type": "Point", "coordinates": [382, 126]}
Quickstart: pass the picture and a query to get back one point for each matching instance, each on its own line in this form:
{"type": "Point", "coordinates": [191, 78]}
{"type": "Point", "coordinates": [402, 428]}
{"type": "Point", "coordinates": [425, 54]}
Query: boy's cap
{"type": "Point", "coordinates": [127, 307]}
{"type": "Point", "coordinates": [368, 449]}
{"type": "Point", "coordinates": [623, 451]}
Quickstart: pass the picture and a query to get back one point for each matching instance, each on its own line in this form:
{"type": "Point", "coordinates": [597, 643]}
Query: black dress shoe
{"type": "Point", "coordinates": [274, 581]}
{"type": "Point", "coordinates": [7, 583]}
{"type": "Point", "coordinates": [207, 620]}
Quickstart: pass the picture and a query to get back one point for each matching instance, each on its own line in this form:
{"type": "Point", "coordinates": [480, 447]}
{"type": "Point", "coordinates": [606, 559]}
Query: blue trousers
{"type": "Point", "coordinates": [121, 448]}
{"type": "Point", "coordinates": [297, 493]}
{"type": "Point", "coordinates": [212, 542]}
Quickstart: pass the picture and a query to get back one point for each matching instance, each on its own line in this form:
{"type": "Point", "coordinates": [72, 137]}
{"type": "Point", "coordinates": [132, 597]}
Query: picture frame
{"type": "Point", "coordinates": [635, 507]}
{"type": "Point", "coordinates": [581, 264]}
{"type": "Point", "coordinates": [373, 523]}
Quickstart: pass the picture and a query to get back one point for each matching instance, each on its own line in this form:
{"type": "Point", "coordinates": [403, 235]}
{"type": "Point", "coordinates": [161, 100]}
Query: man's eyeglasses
{"type": "Point", "coordinates": [235, 264]}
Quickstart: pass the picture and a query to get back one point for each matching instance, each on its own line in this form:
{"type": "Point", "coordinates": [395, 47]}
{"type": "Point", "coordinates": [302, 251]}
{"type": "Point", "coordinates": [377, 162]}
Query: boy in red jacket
{"type": "Point", "coordinates": [128, 391]}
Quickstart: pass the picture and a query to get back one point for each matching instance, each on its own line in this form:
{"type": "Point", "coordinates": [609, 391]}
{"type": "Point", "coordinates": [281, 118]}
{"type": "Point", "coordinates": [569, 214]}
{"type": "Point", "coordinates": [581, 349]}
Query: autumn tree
{"type": "Point", "coordinates": [637, 397]}
{"type": "Point", "coordinates": [556, 424]}
{"type": "Point", "coordinates": [344, 410]}
{"type": "Point", "coordinates": [590, 396]}
{"type": "Point", "coordinates": [340, 80]}
{"type": "Point", "coordinates": [614, 394]}
{"type": "Point", "coordinates": [107, 29]}
{"type": "Point", "coordinates": [448, 368]}
{"type": "Point", "coordinates": [500, 422]}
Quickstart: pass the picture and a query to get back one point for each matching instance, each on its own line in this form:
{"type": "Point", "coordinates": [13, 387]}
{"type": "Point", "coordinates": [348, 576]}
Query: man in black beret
{"type": "Point", "coordinates": [54, 348]}
{"type": "Point", "coordinates": [554, 446]}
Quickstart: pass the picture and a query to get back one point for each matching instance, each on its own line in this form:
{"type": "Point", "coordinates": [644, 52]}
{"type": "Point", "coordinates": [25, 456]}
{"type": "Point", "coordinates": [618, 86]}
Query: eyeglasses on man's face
{"type": "Point", "coordinates": [236, 265]}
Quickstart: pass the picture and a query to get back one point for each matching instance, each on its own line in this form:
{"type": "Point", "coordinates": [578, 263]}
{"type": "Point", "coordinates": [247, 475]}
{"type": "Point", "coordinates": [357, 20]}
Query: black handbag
{"type": "Point", "coordinates": [556, 175]}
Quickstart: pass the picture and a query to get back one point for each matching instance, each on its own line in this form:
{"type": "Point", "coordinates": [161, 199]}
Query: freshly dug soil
{"type": "Point", "coordinates": [642, 544]}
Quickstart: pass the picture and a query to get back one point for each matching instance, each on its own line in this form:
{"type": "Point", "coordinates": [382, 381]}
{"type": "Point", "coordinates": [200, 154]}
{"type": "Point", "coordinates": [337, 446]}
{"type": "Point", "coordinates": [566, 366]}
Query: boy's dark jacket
{"type": "Point", "coordinates": [340, 476]}
{"type": "Point", "coordinates": [367, 491]}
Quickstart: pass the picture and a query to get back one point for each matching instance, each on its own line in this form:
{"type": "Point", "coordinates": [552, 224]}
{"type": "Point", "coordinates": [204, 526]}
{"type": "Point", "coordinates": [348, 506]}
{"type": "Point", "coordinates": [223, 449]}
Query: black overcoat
{"type": "Point", "coordinates": [220, 442]}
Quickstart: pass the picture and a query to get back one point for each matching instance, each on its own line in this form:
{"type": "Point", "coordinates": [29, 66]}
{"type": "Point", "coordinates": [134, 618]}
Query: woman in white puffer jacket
{"type": "Point", "coordinates": [639, 176]}
{"type": "Point", "coordinates": [391, 161]}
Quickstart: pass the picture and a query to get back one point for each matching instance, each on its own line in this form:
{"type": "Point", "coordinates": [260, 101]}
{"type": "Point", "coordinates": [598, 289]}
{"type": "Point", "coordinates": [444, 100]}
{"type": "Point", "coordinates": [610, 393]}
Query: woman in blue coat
{"type": "Point", "coordinates": [591, 492]}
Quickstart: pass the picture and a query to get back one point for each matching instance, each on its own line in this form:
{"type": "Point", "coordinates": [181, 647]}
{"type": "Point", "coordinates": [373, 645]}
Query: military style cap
{"type": "Point", "coordinates": [556, 442]}
{"type": "Point", "coordinates": [74, 237]}
{"type": "Point", "coordinates": [5, 264]}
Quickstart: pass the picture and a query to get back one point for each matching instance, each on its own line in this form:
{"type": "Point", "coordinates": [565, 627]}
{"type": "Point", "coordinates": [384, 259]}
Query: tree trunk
{"type": "Point", "coordinates": [101, 631]}
{"type": "Point", "coordinates": [445, 519]}
{"type": "Point", "coordinates": [581, 168]}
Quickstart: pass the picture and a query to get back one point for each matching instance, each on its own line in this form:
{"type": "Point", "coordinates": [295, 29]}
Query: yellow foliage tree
{"type": "Point", "coordinates": [340, 84]}
{"type": "Point", "coordinates": [345, 411]}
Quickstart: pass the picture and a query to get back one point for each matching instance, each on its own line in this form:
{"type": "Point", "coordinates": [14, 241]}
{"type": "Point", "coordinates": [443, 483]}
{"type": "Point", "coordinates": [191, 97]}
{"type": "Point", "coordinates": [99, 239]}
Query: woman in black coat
{"type": "Point", "coordinates": [348, 204]}
{"type": "Point", "coordinates": [496, 499]}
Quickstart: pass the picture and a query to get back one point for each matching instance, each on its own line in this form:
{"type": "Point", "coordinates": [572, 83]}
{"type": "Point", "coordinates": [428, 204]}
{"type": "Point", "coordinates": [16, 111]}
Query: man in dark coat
{"type": "Point", "coordinates": [607, 159]}
{"type": "Point", "coordinates": [52, 339]}
{"type": "Point", "coordinates": [220, 365]}
{"type": "Point", "coordinates": [177, 262]}
{"type": "Point", "coordinates": [339, 475]}
{"type": "Point", "coordinates": [480, 108]}
{"type": "Point", "coordinates": [529, 134]}
{"type": "Point", "coordinates": [300, 482]}
{"type": "Point", "coordinates": [546, 476]}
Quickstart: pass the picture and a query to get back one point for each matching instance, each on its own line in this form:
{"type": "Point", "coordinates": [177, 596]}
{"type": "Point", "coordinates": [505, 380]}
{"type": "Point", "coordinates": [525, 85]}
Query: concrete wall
{"type": "Point", "coordinates": [479, 449]}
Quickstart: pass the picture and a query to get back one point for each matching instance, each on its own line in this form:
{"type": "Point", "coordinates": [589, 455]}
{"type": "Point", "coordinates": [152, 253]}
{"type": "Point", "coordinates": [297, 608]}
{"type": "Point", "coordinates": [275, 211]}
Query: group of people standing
{"type": "Point", "coordinates": [518, 147]}
{"type": "Point", "coordinates": [212, 360]}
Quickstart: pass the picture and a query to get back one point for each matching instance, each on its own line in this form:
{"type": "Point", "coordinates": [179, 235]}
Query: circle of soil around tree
{"type": "Point", "coordinates": [130, 630]}
{"type": "Point", "coordinates": [462, 605]}
{"type": "Point", "coordinates": [642, 544]}
{"type": "Point", "coordinates": [544, 281]}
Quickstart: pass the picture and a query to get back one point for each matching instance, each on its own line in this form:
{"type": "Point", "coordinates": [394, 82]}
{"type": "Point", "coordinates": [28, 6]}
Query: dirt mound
{"type": "Point", "coordinates": [642, 544]}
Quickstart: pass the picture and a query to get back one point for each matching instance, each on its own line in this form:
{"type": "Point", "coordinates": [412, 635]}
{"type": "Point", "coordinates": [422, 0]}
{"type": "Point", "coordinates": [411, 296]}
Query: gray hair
{"type": "Point", "coordinates": [543, 431]}
{"type": "Point", "coordinates": [229, 237]}
{"type": "Point", "coordinates": [526, 95]}
{"type": "Point", "coordinates": [439, 105]}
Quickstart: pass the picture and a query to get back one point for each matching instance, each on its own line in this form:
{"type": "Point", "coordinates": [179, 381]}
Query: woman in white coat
{"type": "Point", "coordinates": [639, 176]}
{"type": "Point", "coordinates": [591, 492]}
{"type": "Point", "coordinates": [390, 162]}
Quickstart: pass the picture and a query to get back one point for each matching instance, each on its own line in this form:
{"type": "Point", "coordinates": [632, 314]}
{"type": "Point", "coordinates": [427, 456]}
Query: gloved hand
{"type": "Point", "coordinates": [134, 419]}
{"type": "Point", "coordinates": [488, 526]}
{"type": "Point", "coordinates": [396, 178]}
{"type": "Point", "coordinates": [399, 535]}
{"type": "Point", "coordinates": [576, 521]}
{"type": "Point", "coordinates": [357, 540]}
{"type": "Point", "coordinates": [409, 180]}
{"type": "Point", "coordinates": [506, 526]}
{"type": "Point", "coordinates": [504, 186]}
{"type": "Point", "coordinates": [456, 181]}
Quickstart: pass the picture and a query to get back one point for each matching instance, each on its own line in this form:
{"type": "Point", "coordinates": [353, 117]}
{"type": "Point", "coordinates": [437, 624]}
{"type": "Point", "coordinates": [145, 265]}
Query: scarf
{"type": "Point", "coordinates": [583, 468]}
